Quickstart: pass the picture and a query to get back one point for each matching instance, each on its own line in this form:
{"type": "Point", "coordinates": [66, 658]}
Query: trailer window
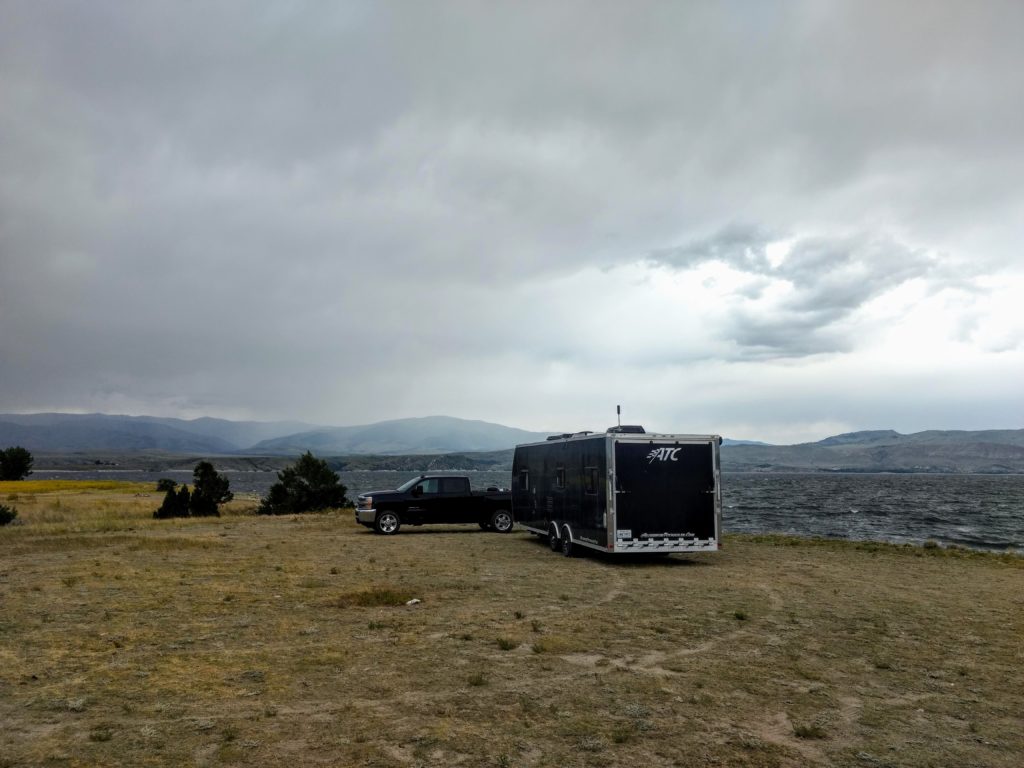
{"type": "Point", "coordinates": [524, 480]}
{"type": "Point", "coordinates": [560, 478]}
{"type": "Point", "coordinates": [590, 480]}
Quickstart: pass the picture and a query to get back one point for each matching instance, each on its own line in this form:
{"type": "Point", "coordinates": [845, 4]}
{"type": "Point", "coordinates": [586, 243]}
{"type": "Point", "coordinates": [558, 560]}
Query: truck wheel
{"type": "Point", "coordinates": [553, 541]}
{"type": "Point", "coordinates": [387, 523]}
{"type": "Point", "coordinates": [501, 521]}
{"type": "Point", "coordinates": [567, 548]}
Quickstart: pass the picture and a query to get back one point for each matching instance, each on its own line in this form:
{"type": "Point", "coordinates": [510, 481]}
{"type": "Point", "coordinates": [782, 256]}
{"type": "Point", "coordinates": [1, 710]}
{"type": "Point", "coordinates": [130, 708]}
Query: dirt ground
{"type": "Point", "coordinates": [244, 640]}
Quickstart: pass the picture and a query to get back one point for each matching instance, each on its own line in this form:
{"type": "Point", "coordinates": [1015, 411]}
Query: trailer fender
{"type": "Point", "coordinates": [568, 547]}
{"type": "Point", "coordinates": [553, 538]}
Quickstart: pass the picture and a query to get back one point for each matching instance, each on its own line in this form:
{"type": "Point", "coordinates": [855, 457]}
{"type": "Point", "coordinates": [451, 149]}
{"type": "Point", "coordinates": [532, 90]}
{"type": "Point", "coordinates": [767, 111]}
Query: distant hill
{"type": "Point", "coordinates": [107, 434]}
{"type": "Point", "coordinates": [74, 432]}
{"type": "Point", "coordinates": [427, 435]}
{"type": "Point", "coordinates": [451, 442]}
{"type": "Point", "coordinates": [990, 451]}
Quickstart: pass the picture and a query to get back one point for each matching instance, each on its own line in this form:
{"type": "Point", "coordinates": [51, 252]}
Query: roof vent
{"type": "Point", "coordinates": [627, 429]}
{"type": "Point", "coordinates": [561, 436]}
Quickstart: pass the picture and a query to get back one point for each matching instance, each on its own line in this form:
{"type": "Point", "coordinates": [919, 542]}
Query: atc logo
{"type": "Point", "coordinates": [663, 454]}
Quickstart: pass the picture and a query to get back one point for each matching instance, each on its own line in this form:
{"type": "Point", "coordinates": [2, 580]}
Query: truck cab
{"type": "Point", "coordinates": [432, 499]}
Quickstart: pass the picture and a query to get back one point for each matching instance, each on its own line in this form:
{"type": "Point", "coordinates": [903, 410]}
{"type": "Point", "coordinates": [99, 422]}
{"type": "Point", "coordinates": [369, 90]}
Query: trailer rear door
{"type": "Point", "coordinates": [664, 490]}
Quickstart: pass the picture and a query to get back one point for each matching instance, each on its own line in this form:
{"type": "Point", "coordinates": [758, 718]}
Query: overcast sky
{"type": "Point", "coordinates": [773, 221]}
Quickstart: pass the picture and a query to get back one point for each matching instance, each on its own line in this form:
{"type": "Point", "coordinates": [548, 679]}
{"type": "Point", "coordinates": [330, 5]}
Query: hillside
{"type": "Point", "coordinates": [431, 434]}
{"type": "Point", "coordinates": [442, 442]}
{"type": "Point", "coordinates": [989, 451]}
{"type": "Point", "coordinates": [98, 432]}
{"type": "Point", "coordinates": [104, 435]}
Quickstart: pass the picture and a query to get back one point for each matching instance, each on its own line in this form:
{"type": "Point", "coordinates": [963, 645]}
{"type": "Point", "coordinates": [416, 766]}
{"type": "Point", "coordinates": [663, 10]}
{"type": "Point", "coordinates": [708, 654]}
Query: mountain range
{"type": "Point", "coordinates": [97, 432]}
{"type": "Point", "coordinates": [985, 451]}
{"type": "Point", "coordinates": [443, 440]}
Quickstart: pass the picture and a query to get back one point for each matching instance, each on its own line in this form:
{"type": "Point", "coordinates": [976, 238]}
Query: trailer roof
{"type": "Point", "coordinates": [632, 437]}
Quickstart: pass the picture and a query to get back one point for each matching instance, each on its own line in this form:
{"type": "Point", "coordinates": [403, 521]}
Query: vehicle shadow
{"type": "Point", "coordinates": [436, 530]}
{"type": "Point", "coordinates": [673, 560]}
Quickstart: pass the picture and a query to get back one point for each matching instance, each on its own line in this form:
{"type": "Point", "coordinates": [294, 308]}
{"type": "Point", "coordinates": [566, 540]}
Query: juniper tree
{"type": "Point", "coordinates": [175, 504]}
{"type": "Point", "coordinates": [15, 463]}
{"type": "Point", "coordinates": [209, 490]}
{"type": "Point", "coordinates": [306, 486]}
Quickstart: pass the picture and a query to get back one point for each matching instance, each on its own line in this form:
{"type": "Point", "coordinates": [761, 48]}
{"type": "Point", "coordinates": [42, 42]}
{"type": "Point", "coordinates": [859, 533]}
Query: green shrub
{"type": "Point", "coordinates": [7, 514]}
{"type": "Point", "coordinates": [209, 490]}
{"type": "Point", "coordinates": [15, 463]}
{"type": "Point", "coordinates": [175, 504]}
{"type": "Point", "coordinates": [307, 486]}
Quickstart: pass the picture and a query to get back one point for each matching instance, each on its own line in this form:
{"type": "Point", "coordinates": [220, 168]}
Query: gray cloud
{"type": "Point", "coordinates": [205, 208]}
{"type": "Point", "coordinates": [828, 279]}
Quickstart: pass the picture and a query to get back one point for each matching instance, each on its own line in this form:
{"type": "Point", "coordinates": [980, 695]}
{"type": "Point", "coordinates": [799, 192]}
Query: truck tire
{"type": "Point", "coordinates": [387, 523]}
{"type": "Point", "coordinates": [501, 521]}
{"type": "Point", "coordinates": [567, 546]}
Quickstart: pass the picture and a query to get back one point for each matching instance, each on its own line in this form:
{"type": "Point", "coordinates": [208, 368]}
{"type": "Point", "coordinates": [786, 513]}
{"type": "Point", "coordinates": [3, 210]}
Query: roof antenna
{"type": "Point", "coordinates": [618, 413]}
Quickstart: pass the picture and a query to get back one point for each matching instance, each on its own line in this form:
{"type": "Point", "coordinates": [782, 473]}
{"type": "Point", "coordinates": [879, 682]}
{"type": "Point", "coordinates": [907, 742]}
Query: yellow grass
{"type": "Point", "coordinates": [19, 487]}
{"type": "Point", "coordinates": [247, 640]}
{"type": "Point", "coordinates": [81, 506]}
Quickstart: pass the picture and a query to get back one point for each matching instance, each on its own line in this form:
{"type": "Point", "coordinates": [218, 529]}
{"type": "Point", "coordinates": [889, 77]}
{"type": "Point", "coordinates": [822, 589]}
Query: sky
{"type": "Point", "coordinates": [770, 221]}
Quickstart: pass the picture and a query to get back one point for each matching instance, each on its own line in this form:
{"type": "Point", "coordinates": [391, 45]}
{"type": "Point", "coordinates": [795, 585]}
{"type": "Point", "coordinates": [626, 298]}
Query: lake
{"type": "Point", "coordinates": [978, 511]}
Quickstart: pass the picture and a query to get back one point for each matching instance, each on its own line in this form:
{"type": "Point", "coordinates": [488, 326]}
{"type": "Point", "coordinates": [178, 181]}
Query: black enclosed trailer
{"type": "Point", "coordinates": [621, 491]}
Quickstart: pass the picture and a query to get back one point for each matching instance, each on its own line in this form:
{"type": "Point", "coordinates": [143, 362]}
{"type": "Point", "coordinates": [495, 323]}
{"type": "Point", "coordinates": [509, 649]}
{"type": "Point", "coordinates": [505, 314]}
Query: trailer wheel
{"type": "Point", "coordinates": [387, 523]}
{"type": "Point", "coordinates": [553, 540]}
{"type": "Point", "coordinates": [567, 548]}
{"type": "Point", "coordinates": [501, 521]}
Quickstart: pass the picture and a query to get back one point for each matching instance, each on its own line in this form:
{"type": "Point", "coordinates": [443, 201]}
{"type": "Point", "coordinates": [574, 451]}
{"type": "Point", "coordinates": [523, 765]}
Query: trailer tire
{"type": "Point", "coordinates": [387, 523]}
{"type": "Point", "coordinates": [567, 546]}
{"type": "Point", "coordinates": [553, 541]}
{"type": "Point", "coordinates": [501, 521]}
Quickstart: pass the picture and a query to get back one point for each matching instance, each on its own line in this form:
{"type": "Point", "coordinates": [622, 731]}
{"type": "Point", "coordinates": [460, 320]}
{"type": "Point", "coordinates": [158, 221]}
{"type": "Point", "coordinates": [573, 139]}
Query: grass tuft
{"type": "Point", "coordinates": [373, 597]}
{"type": "Point", "coordinates": [809, 732]}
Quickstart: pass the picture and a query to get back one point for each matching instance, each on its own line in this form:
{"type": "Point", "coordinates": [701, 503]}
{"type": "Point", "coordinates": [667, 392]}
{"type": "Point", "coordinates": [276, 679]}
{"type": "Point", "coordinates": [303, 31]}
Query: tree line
{"type": "Point", "coordinates": [309, 485]}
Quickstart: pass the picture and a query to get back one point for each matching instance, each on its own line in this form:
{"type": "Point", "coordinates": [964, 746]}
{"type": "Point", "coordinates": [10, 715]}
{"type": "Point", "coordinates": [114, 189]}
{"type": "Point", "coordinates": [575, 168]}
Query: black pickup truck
{"type": "Point", "coordinates": [434, 498]}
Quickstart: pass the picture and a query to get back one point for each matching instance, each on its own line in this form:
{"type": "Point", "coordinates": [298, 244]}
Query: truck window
{"type": "Point", "coordinates": [590, 480]}
{"type": "Point", "coordinates": [428, 485]}
{"type": "Point", "coordinates": [454, 485]}
{"type": "Point", "coordinates": [524, 479]}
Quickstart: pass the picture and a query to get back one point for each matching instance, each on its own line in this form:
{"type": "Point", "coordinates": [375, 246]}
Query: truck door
{"type": "Point", "coordinates": [426, 504]}
{"type": "Point", "coordinates": [456, 502]}
{"type": "Point", "coordinates": [665, 489]}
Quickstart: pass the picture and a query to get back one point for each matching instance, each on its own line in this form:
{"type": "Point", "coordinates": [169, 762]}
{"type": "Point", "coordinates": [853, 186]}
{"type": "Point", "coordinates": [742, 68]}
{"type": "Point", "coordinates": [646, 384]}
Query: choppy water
{"type": "Point", "coordinates": [981, 511]}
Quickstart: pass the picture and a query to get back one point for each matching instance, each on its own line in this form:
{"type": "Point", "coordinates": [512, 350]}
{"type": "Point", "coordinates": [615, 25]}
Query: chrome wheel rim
{"type": "Point", "coordinates": [503, 521]}
{"type": "Point", "coordinates": [388, 523]}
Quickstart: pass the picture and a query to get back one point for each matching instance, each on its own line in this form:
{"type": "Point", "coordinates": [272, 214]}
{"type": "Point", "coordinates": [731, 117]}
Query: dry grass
{"type": "Point", "coordinates": [286, 641]}
{"type": "Point", "coordinates": [93, 506]}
